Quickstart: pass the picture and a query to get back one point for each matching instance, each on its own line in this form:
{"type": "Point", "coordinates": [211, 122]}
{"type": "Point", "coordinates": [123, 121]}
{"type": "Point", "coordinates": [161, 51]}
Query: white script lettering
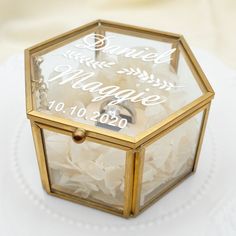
{"type": "Point", "coordinates": [98, 42]}
{"type": "Point", "coordinates": [79, 80]}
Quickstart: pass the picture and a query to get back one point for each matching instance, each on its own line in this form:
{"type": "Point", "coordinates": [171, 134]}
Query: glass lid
{"type": "Point", "coordinates": [117, 80]}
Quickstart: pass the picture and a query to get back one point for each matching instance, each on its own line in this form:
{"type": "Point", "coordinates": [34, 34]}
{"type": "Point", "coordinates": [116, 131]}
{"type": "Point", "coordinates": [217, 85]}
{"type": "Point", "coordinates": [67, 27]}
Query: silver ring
{"type": "Point", "coordinates": [120, 109]}
{"type": "Point", "coordinates": [123, 110]}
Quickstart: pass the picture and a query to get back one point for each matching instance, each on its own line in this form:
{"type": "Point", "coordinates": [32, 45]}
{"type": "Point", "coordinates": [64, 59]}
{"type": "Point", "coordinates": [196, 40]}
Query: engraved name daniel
{"type": "Point", "coordinates": [80, 79]}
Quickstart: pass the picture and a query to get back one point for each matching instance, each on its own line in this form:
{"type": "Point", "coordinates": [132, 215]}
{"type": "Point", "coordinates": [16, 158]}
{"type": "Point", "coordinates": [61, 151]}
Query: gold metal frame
{"type": "Point", "coordinates": [139, 162]}
{"type": "Point", "coordinates": [133, 146]}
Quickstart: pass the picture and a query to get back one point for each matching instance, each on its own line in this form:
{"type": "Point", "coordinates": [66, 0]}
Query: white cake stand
{"type": "Point", "coordinates": [205, 204]}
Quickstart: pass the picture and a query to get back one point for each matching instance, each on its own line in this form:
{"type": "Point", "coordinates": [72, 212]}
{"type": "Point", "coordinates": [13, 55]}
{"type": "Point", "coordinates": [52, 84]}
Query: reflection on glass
{"type": "Point", "coordinates": [89, 170]}
{"type": "Point", "coordinates": [169, 158]}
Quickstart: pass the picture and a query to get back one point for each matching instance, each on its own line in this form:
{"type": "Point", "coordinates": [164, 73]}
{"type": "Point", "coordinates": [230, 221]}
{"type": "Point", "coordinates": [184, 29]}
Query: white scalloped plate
{"type": "Point", "coordinates": [194, 207]}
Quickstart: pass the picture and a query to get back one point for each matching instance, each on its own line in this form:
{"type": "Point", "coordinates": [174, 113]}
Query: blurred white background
{"type": "Point", "coordinates": [206, 24]}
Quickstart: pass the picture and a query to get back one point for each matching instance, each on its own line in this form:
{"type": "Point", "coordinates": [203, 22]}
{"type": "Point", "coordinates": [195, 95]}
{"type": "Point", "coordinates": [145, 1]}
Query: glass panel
{"type": "Point", "coordinates": [170, 158]}
{"type": "Point", "coordinates": [114, 81]}
{"type": "Point", "coordinates": [88, 170]}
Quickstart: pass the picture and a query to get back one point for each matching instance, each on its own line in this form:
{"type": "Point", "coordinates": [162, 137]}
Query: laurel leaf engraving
{"type": "Point", "coordinates": [89, 62]}
{"type": "Point", "coordinates": [144, 76]}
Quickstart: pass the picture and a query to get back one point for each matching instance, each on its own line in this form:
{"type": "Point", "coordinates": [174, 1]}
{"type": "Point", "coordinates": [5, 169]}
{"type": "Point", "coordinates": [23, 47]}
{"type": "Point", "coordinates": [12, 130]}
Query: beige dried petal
{"type": "Point", "coordinates": [57, 147]}
{"type": "Point", "coordinates": [95, 147]}
{"type": "Point", "coordinates": [94, 171]}
{"type": "Point", "coordinates": [111, 158]}
{"type": "Point", "coordinates": [82, 178]}
{"type": "Point", "coordinates": [63, 180]}
{"type": "Point", "coordinates": [155, 115]}
{"type": "Point", "coordinates": [113, 177]}
{"type": "Point", "coordinates": [149, 187]}
{"type": "Point", "coordinates": [159, 111]}
{"type": "Point", "coordinates": [83, 165]}
{"type": "Point", "coordinates": [122, 186]}
{"type": "Point", "coordinates": [166, 72]}
{"type": "Point", "coordinates": [148, 173]}
{"type": "Point", "coordinates": [158, 152]}
{"type": "Point", "coordinates": [60, 166]}
{"type": "Point", "coordinates": [179, 156]}
{"type": "Point", "coordinates": [176, 100]}
{"type": "Point", "coordinates": [82, 191]}
{"type": "Point", "coordinates": [79, 154]}
{"type": "Point", "coordinates": [102, 187]}
{"type": "Point", "coordinates": [92, 186]}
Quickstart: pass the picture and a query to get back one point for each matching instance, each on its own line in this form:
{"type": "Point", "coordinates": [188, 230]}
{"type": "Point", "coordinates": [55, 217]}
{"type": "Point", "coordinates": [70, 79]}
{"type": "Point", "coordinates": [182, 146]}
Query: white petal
{"type": "Point", "coordinates": [113, 177]}
{"type": "Point", "coordinates": [148, 173]}
{"type": "Point", "coordinates": [80, 153]}
{"type": "Point", "coordinates": [56, 147]}
{"type": "Point", "coordinates": [94, 171]}
{"type": "Point", "coordinates": [111, 158]}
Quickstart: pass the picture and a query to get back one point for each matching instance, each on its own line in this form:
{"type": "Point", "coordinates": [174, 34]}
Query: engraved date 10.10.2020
{"type": "Point", "coordinates": [80, 112]}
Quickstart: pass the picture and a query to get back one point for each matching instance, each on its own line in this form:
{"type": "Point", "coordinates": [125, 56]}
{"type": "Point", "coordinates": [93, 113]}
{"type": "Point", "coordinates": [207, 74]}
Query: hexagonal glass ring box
{"type": "Point", "coordinates": [118, 114]}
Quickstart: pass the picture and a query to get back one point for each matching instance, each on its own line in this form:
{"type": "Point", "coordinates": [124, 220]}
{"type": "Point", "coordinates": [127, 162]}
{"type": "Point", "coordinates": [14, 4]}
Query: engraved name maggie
{"type": "Point", "coordinates": [79, 79]}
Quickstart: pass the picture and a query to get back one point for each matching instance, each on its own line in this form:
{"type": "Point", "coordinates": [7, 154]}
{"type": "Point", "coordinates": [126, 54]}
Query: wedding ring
{"type": "Point", "coordinates": [123, 110]}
